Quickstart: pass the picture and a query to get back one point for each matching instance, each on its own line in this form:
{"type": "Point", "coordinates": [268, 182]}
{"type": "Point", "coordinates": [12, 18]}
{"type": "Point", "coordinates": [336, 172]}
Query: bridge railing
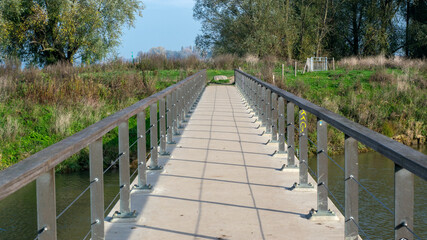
{"type": "Point", "coordinates": [268, 103]}
{"type": "Point", "coordinates": [173, 104]}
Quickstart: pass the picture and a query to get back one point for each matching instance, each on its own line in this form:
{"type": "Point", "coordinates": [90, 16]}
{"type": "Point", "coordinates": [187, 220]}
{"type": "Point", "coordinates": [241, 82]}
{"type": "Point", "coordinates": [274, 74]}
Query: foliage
{"type": "Point", "coordinates": [46, 32]}
{"type": "Point", "coordinates": [388, 97]}
{"type": "Point", "coordinates": [301, 29]}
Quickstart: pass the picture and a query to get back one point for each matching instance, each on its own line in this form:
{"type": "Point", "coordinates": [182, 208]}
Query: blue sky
{"type": "Point", "coordinates": [166, 23]}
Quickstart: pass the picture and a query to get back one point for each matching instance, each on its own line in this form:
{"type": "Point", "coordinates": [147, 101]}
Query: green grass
{"type": "Point", "coordinates": [371, 98]}
{"type": "Point", "coordinates": [46, 107]}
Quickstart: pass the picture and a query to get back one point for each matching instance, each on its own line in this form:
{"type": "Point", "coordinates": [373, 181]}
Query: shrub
{"type": "Point", "coordinates": [382, 77]}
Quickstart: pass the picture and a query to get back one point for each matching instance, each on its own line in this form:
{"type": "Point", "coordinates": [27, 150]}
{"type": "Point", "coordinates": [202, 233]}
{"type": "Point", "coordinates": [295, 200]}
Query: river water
{"type": "Point", "coordinates": [19, 211]}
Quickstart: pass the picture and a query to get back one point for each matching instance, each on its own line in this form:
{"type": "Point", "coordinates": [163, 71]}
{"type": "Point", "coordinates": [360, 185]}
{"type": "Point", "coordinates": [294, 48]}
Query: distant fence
{"type": "Point", "coordinates": [268, 103]}
{"type": "Point", "coordinates": [317, 64]}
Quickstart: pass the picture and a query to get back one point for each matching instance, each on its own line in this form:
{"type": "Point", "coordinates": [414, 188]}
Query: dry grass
{"type": "Point", "coordinates": [62, 122]}
{"type": "Point", "coordinates": [11, 129]}
{"type": "Point", "coordinates": [382, 77]}
{"type": "Point", "coordinates": [225, 61]}
{"type": "Point", "coordinates": [376, 62]}
{"type": "Point", "coordinates": [251, 59]}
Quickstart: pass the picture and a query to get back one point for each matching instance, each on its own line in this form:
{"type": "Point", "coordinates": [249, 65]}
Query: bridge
{"type": "Point", "coordinates": [221, 162]}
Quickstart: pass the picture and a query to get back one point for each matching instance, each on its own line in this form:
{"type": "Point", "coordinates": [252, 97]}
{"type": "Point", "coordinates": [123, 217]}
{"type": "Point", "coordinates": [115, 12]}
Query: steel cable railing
{"type": "Point", "coordinates": [406, 160]}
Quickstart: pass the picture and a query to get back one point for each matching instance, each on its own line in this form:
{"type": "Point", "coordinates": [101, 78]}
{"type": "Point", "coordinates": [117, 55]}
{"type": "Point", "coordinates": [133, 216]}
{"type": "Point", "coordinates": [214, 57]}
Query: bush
{"type": "Point", "coordinates": [382, 77]}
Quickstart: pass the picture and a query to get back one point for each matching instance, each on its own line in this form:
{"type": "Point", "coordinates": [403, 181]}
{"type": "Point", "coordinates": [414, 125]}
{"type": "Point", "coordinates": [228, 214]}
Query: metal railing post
{"type": "Point", "coordinates": [291, 133]}
{"type": "Point", "coordinates": [268, 119]}
{"type": "Point", "coordinates": [282, 126]}
{"type": "Point", "coordinates": [162, 120]}
{"type": "Point", "coordinates": [124, 173]}
{"type": "Point", "coordinates": [46, 205]}
{"type": "Point", "coordinates": [263, 107]}
{"type": "Point", "coordinates": [169, 114]}
{"type": "Point", "coordinates": [322, 173]}
{"type": "Point", "coordinates": [181, 113]}
{"type": "Point", "coordinates": [322, 166]}
{"type": "Point", "coordinates": [303, 151]}
{"type": "Point", "coordinates": [142, 154]}
{"type": "Point", "coordinates": [259, 102]}
{"type": "Point", "coordinates": [403, 203]}
{"type": "Point", "coordinates": [274, 117]}
{"type": "Point", "coordinates": [351, 166]}
{"type": "Point", "coordinates": [154, 164]}
{"type": "Point", "coordinates": [175, 112]}
{"type": "Point", "coordinates": [96, 161]}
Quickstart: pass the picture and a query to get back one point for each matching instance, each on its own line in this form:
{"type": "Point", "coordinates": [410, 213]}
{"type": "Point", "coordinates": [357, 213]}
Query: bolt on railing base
{"type": "Point", "coordinates": [155, 168]}
{"type": "Point", "coordinates": [164, 153]}
{"type": "Point", "coordinates": [124, 217]}
{"type": "Point", "coordinates": [316, 215]}
{"type": "Point", "coordinates": [303, 187]}
{"type": "Point", "coordinates": [147, 188]}
{"type": "Point", "coordinates": [289, 168]}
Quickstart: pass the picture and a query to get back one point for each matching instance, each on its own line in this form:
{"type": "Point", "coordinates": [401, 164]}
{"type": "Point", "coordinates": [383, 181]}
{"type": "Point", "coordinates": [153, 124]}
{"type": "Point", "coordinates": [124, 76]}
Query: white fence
{"type": "Point", "coordinates": [317, 64]}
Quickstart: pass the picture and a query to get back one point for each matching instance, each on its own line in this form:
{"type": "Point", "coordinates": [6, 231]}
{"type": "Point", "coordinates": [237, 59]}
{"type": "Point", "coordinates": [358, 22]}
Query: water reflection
{"type": "Point", "coordinates": [376, 173]}
{"type": "Point", "coordinates": [19, 211]}
{"type": "Point", "coordinates": [19, 217]}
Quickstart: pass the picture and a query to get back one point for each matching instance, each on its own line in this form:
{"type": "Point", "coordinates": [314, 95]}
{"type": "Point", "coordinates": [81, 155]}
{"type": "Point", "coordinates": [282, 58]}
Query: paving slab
{"type": "Point", "coordinates": [221, 182]}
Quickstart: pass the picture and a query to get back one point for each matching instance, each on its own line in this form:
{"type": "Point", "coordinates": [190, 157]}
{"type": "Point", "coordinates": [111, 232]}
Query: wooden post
{"type": "Point", "coordinates": [283, 72]}
{"type": "Point", "coordinates": [296, 68]}
{"type": "Point", "coordinates": [333, 64]}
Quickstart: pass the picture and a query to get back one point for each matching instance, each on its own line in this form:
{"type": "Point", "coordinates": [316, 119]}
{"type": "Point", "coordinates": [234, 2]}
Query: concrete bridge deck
{"type": "Point", "coordinates": [220, 182]}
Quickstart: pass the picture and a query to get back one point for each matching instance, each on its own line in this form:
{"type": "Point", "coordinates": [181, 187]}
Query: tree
{"type": "Point", "coordinates": [416, 28]}
{"type": "Point", "coordinates": [48, 31]}
{"type": "Point", "coordinates": [300, 29]}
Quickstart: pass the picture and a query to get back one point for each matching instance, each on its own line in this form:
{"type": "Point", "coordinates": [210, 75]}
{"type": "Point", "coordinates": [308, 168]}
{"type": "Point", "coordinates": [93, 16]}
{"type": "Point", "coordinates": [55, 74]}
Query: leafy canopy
{"type": "Point", "coordinates": [48, 31]}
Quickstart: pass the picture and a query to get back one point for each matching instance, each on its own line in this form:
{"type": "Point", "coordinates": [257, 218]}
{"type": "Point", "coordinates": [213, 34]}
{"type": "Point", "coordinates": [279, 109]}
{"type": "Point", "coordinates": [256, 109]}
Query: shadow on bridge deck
{"type": "Point", "coordinates": [221, 182]}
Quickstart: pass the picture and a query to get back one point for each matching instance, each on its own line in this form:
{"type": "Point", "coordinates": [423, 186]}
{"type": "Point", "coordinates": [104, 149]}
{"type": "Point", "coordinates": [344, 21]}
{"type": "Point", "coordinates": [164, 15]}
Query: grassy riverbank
{"type": "Point", "coordinates": [41, 107]}
{"type": "Point", "coordinates": [386, 95]}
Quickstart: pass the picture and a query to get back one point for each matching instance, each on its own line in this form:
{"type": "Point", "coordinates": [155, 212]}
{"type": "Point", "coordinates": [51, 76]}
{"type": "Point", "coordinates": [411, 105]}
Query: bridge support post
{"type": "Point", "coordinates": [187, 95]}
{"type": "Point", "coordinates": [259, 102]}
{"type": "Point", "coordinates": [142, 154]}
{"type": "Point", "coordinates": [162, 120]}
{"type": "Point", "coordinates": [257, 97]}
{"type": "Point", "coordinates": [403, 203]}
{"type": "Point", "coordinates": [303, 153]}
{"type": "Point", "coordinates": [169, 114]}
{"type": "Point", "coordinates": [274, 118]}
{"type": "Point", "coordinates": [181, 113]}
{"type": "Point", "coordinates": [263, 107]}
{"type": "Point", "coordinates": [351, 166]}
{"type": "Point", "coordinates": [268, 120]}
{"type": "Point", "coordinates": [124, 173]}
{"type": "Point", "coordinates": [175, 107]}
{"type": "Point", "coordinates": [46, 205]}
{"type": "Point", "coordinates": [96, 190]}
{"type": "Point", "coordinates": [252, 95]}
{"type": "Point", "coordinates": [281, 109]}
{"type": "Point", "coordinates": [322, 212]}
{"type": "Point", "coordinates": [290, 111]}
{"type": "Point", "coordinates": [154, 165]}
